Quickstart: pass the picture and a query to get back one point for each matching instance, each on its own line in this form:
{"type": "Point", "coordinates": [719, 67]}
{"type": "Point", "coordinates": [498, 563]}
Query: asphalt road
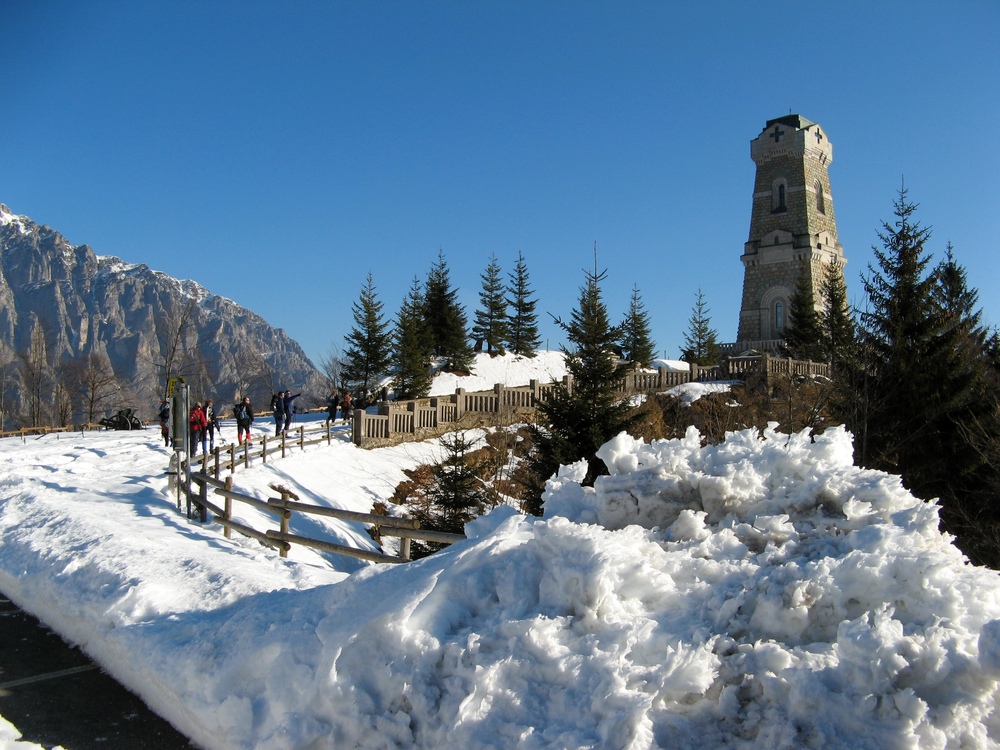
{"type": "Point", "coordinates": [55, 695]}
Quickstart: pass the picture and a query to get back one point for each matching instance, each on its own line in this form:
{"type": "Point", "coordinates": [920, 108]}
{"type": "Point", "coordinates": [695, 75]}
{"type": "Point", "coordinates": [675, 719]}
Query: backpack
{"type": "Point", "coordinates": [240, 412]}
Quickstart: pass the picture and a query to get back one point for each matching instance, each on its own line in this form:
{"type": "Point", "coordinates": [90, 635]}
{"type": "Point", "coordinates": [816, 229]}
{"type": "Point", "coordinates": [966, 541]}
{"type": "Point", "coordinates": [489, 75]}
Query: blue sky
{"type": "Point", "coordinates": [278, 152]}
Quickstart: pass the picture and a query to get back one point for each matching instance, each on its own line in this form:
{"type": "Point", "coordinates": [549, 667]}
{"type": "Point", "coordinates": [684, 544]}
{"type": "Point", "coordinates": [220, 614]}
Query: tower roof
{"type": "Point", "coordinates": [791, 121]}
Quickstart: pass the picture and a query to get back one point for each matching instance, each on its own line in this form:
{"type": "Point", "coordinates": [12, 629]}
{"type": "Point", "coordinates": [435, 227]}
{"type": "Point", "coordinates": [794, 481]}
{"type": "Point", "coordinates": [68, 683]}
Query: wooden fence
{"type": "Point", "coordinates": [422, 418]}
{"type": "Point", "coordinates": [196, 484]}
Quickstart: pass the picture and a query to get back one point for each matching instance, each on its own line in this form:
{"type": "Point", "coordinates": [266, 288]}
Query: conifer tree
{"type": "Point", "coordinates": [446, 320]}
{"type": "Point", "coordinates": [923, 363]}
{"type": "Point", "coordinates": [523, 323]}
{"type": "Point", "coordinates": [637, 343]}
{"type": "Point", "coordinates": [368, 350]}
{"type": "Point", "coordinates": [411, 347]}
{"type": "Point", "coordinates": [803, 338]}
{"type": "Point", "coordinates": [701, 342]}
{"type": "Point", "coordinates": [580, 419]}
{"type": "Point", "coordinates": [491, 327]}
{"type": "Point", "coordinates": [836, 321]}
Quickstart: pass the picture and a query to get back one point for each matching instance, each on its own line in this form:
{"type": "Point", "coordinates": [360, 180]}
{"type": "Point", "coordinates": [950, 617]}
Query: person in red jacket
{"type": "Point", "coordinates": [198, 424]}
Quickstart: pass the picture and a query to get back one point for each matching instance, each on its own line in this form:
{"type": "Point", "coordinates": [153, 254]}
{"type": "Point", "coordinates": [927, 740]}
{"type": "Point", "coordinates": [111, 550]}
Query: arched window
{"type": "Point", "coordinates": [820, 199]}
{"type": "Point", "coordinates": [779, 315]}
{"type": "Point", "coordinates": [778, 196]}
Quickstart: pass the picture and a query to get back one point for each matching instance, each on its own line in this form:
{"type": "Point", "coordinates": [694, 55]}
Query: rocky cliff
{"type": "Point", "coordinates": [148, 324]}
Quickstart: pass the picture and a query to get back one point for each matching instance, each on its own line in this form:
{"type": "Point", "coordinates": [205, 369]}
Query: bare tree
{"type": "Point", "coordinates": [331, 366]}
{"type": "Point", "coordinates": [36, 379]}
{"type": "Point", "coordinates": [97, 385]}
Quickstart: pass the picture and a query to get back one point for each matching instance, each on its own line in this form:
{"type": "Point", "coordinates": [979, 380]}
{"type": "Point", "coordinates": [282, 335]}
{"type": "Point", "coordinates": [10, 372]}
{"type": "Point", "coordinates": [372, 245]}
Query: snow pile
{"type": "Point", "coordinates": [688, 393]}
{"type": "Point", "coordinates": [762, 593]}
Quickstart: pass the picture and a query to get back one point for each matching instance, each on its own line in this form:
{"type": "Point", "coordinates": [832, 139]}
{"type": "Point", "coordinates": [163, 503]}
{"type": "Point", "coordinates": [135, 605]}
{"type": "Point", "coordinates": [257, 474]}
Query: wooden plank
{"type": "Point", "coordinates": [346, 515]}
{"type": "Point", "coordinates": [340, 549]}
{"type": "Point", "coordinates": [425, 535]}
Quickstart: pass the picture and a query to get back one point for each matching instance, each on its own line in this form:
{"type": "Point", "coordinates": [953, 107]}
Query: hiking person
{"type": "Point", "coordinates": [331, 408]}
{"type": "Point", "coordinates": [243, 412]}
{"type": "Point", "coordinates": [345, 406]}
{"type": "Point", "coordinates": [164, 417]}
{"type": "Point", "coordinates": [198, 424]}
{"type": "Point", "coordinates": [286, 403]}
{"type": "Point", "coordinates": [213, 424]}
{"type": "Point", "coordinates": [278, 410]}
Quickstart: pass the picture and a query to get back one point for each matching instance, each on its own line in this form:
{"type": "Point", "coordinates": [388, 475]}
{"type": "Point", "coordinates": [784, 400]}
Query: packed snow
{"type": "Point", "coordinates": [761, 593]}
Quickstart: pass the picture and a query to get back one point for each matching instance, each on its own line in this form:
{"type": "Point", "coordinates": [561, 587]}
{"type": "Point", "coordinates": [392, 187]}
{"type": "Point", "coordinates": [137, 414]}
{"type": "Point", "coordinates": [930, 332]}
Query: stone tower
{"type": "Point", "coordinates": [792, 227]}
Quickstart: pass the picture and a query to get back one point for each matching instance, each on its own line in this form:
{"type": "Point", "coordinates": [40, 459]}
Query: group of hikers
{"type": "Point", "coordinates": [203, 421]}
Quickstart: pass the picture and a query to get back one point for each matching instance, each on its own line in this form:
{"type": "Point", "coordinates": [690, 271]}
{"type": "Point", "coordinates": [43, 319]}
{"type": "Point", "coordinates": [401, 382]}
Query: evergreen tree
{"type": "Point", "coordinates": [459, 494]}
{"type": "Point", "coordinates": [637, 343]}
{"type": "Point", "coordinates": [412, 350]}
{"type": "Point", "coordinates": [701, 342]}
{"type": "Point", "coordinates": [368, 350]}
{"type": "Point", "coordinates": [836, 321]}
{"type": "Point", "coordinates": [446, 320]}
{"type": "Point", "coordinates": [523, 324]}
{"type": "Point", "coordinates": [803, 337]}
{"type": "Point", "coordinates": [580, 419]}
{"type": "Point", "coordinates": [491, 325]}
{"type": "Point", "coordinates": [924, 364]}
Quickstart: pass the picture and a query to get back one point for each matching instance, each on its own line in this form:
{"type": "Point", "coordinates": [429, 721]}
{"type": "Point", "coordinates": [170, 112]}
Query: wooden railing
{"type": "Point", "coordinates": [230, 458]}
{"type": "Point", "coordinates": [419, 419]}
{"type": "Point", "coordinates": [285, 504]}
{"type": "Point", "coordinates": [42, 431]}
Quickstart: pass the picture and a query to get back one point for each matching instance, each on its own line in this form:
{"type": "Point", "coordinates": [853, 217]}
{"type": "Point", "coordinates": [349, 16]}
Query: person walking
{"type": "Point", "coordinates": [213, 424]}
{"type": "Point", "coordinates": [198, 424]}
{"type": "Point", "coordinates": [278, 410]}
{"type": "Point", "coordinates": [286, 402]}
{"type": "Point", "coordinates": [243, 412]}
{"type": "Point", "coordinates": [331, 408]}
{"type": "Point", "coordinates": [345, 407]}
{"type": "Point", "coordinates": [164, 416]}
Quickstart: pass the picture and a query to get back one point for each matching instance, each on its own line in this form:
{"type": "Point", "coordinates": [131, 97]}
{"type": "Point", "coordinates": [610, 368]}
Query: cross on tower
{"type": "Point", "coordinates": [819, 136]}
{"type": "Point", "coordinates": [777, 134]}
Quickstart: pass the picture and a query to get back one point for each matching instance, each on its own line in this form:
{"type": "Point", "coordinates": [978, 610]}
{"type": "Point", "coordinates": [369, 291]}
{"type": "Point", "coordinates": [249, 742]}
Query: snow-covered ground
{"type": "Point", "coordinates": [762, 593]}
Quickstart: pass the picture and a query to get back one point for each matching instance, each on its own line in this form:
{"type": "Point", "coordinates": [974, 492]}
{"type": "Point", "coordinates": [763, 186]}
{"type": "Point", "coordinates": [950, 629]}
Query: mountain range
{"type": "Point", "coordinates": [148, 325]}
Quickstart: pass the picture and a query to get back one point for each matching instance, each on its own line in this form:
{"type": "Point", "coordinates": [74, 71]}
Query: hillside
{"type": "Point", "coordinates": [142, 320]}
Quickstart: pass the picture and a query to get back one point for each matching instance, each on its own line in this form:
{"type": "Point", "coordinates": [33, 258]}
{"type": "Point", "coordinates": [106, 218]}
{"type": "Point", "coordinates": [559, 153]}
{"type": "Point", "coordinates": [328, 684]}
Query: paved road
{"type": "Point", "coordinates": [55, 695]}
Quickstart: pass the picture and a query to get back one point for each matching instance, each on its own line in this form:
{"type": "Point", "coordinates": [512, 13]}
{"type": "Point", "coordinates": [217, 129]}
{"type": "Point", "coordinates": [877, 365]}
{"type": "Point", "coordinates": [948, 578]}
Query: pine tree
{"type": "Point", "coordinates": [523, 323]}
{"type": "Point", "coordinates": [491, 325]}
{"type": "Point", "coordinates": [836, 321]}
{"type": "Point", "coordinates": [701, 345]}
{"type": "Point", "coordinates": [803, 337]}
{"type": "Point", "coordinates": [923, 361]}
{"type": "Point", "coordinates": [637, 343]}
{"type": "Point", "coordinates": [411, 347]}
{"type": "Point", "coordinates": [579, 420]}
{"type": "Point", "coordinates": [446, 320]}
{"type": "Point", "coordinates": [368, 350]}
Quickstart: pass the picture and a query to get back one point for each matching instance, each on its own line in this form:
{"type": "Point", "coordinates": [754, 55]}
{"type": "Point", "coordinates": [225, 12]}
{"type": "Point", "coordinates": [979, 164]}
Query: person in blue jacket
{"type": "Point", "coordinates": [287, 404]}
{"type": "Point", "coordinates": [278, 409]}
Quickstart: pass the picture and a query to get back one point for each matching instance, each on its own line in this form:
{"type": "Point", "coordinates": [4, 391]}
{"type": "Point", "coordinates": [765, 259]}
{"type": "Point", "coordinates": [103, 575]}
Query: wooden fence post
{"type": "Point", "coordinates": [302, 437]}
{"type": "Point", "coordinates": [228, 514]}
{"type": "Point", "coordinates": [286, 514]}
{"type": "Point", "coordinates": [203, 500]}
{"type": "Point", "coordinates": [217, 450]}
{"type": "Point", "coordinates": [246, 454]}
{"type": "Point", "coordinates": [283, 443]}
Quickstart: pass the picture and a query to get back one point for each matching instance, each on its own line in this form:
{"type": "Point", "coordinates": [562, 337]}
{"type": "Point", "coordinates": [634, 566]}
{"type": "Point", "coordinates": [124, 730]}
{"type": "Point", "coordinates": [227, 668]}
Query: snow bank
{"type": "Point", "coordinates": [762, 593]}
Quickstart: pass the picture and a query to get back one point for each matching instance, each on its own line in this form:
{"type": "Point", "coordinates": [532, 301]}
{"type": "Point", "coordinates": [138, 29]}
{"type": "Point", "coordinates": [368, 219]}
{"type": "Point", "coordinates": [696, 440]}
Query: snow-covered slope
{"type": "Point", "coordinates": [763, 593]}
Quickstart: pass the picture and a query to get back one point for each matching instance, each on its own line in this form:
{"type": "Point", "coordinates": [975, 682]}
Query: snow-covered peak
{"type": "Point", "coordinates": [8, 217]}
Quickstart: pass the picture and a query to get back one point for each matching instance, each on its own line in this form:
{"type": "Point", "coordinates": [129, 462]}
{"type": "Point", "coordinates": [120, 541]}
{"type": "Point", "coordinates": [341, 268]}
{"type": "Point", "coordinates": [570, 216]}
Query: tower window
{"type": "Point", "coordinates": [778, 196]}
{"type": "Point", "coordinates": [779, 315]}
{"type": "Point", "coordinates": [820, 199]}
